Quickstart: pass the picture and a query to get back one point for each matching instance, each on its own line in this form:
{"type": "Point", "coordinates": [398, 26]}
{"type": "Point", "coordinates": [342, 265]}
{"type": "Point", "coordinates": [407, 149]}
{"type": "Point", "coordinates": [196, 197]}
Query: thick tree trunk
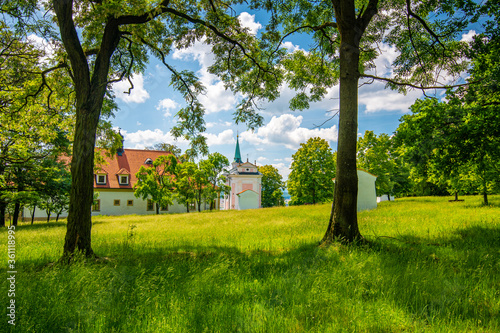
{"type": "Point", "coordinates": [82, 186]}
{"type": "Point", "coordinates": [90, 87]}
{"type": "Point", "coordinates": [456, 196]}
{"type": "Point", "coordinates": [485, 198]}
{"type": "Point", "coordinates": [3, 208]}
{"type": "Point", "coordinates": [157, 209]}
{"type": "Point", "coordinates": [388, 197]}
{"type": "Point", "coordinates": [343, 222]}
{"type": "Point", "coordinates": [33, 215]}
{"type": "Point", "coordinates": [48, 212]}
{"type": "Point", "coordinates": [17, 208]}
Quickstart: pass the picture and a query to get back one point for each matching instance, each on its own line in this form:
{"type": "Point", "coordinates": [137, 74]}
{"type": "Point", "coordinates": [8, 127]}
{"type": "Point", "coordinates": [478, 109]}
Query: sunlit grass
{"type": "Point", "coordinates": [429, 265]}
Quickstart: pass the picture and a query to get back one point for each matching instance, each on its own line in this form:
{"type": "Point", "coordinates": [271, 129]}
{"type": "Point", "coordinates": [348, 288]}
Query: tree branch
{"type": "Point", "coordinates": [414, 85]}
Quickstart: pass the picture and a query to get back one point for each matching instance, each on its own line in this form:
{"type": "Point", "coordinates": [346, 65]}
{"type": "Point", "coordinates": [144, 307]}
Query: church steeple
{"type": "Point", "coordinates": [237, 153]}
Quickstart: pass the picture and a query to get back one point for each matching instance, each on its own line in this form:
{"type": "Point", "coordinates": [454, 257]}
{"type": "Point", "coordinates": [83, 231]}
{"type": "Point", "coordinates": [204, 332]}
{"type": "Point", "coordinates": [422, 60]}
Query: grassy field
{"type": "Point", "coordinates": [430, 266]}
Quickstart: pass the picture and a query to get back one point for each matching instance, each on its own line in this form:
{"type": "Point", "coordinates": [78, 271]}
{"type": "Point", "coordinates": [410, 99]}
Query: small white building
{"type": "Point", "coordinates": [367, 193]}
{"type": "Point", "coordinates": [245, 181]}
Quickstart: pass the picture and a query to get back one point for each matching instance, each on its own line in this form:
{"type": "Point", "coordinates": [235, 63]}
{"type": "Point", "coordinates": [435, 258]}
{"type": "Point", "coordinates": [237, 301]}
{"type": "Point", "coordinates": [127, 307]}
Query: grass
{"type": "Point", "coordinates": [430, 265]}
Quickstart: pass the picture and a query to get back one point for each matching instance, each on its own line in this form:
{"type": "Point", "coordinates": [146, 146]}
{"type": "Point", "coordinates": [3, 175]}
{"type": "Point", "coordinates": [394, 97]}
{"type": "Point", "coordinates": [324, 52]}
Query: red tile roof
{"type": "Point", "coordinates": [126, 164]}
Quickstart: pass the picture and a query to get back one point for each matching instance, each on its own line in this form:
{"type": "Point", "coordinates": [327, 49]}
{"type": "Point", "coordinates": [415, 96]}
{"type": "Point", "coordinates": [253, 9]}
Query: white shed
{"type": "Point", "coordinates": [367, 194]}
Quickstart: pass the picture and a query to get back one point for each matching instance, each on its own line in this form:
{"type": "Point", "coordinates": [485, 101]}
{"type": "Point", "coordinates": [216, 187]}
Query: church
{"type": "Point", "coordinates": [245, 181]}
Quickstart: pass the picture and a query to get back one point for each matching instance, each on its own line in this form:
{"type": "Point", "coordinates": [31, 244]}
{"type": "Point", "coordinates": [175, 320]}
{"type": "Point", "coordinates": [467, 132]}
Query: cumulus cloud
{"type": "Point", "coordinates": [469, 37]}
{"type": "Point", "coordinates": [217, 98]}
{"type": "Point", "coordinates": [43, 44]}
{"type": "Point", "coordinates": [142, 139]}
{"type": "Point", "coordinates": [137, 95]}
{"type": "Point", "coordinates": [248, 21]}
{"type": "Point", "coordinates": [375, 97]}
{"type": "Point", "coordinates": [283, 169]}
{"type": "Point", "coordinates": [225, 137]}
{"type": "Point", "coordinates": [285, 130]}
{"type": "Point", "coordinates": [290, 47]}
{"type": "Point", "coordinates": [166, 105]}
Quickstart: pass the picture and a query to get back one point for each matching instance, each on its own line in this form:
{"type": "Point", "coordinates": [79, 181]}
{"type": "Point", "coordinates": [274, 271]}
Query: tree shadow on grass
{"type": "Point", "coordinates": [39, 225]}
{"type": "Point", "coordinates": [445, 278]}
{"type": "Point", "coordinates": [428, 280]}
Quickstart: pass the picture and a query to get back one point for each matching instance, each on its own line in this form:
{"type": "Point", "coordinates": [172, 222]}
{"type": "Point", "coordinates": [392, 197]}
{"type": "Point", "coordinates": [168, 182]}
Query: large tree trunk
{"type": "Point", "coordinates": [17, 208]}
{"type": "Point", "coordinates": [3, 208]}
{"type": "Point", "coordinates": [82, 184]}
{"type": "Point", "coordinates": [89, 99]}
{"type": "Point", "coordinates": [343, 222]}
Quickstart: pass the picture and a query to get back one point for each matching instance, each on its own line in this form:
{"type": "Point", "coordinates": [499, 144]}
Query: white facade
{"type": "Point", "coordinates": [241, 178]}
{"type": "Point", "coordinates": [367, 194]}
{"type": "Point", "coordinates": [122, 202]}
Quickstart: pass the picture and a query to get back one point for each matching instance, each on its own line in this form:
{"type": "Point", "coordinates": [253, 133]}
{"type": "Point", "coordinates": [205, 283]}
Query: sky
{"type": "Point", "coordinates": [146, 116]}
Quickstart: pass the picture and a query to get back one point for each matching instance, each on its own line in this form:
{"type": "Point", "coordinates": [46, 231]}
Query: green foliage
{"type": "Point", "coordinates": [313, 170]}
{"type": "Point", "coordinates": [156, 182]}
{"type": "Point", "coordinates": [185, 191]}
{"type": "Point", "coordinates": [214, 168]}
{"type": "Point", "coordinates": [272, 187]}
{"type": "Point", "coordinates": [430, 266]}
{"type": "Point", "coordinates": [377, 156]}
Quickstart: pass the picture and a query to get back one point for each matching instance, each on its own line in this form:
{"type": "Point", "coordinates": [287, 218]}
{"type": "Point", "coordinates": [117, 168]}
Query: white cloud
{"type": "Point", "coordinates": [167, 105]}
{"type": "Point", "coordinates": [225, 137]}
{"type": "Point", "coordinates": [468, 37]}
{"type": "Point", "coordinates": [248, 21]}
{"type": "Point", "coordinates": [137, 95]}
{"type": "Point", "coordinates": [147, 138]}
{"type": "Point", "coordinates": [283, 169]}
{"type": "Point", "coordinates": [290, 47]}
{"type": "Point", "coordinates": [376, 97]}
{"type": "Point", "coordinates": [217, 98]}
{"type": "Point", "coordinates": [41, 43]}
{"type": "Point", "coordinates": [223, 124]}
{"type": "Point", "coordinates": [285, 130]}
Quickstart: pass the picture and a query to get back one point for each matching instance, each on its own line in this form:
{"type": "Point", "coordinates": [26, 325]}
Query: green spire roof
{"type": "Point", "coordinates": [237, 154]}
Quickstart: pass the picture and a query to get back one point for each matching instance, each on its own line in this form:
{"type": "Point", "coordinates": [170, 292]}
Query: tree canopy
{"type": "Point", "coordinates": [272, 187]}
{"type": "Point", "coordinates": [313, 171]}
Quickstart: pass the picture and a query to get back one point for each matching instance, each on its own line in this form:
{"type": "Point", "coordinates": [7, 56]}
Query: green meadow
{"type": "Point", "coordinates": [429, 266]}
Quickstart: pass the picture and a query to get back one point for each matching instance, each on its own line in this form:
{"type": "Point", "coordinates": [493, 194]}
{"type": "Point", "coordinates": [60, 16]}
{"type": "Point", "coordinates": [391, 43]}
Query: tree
{"type": "Point", "coordinates": [105, 41]}
{"type": "Point", "coordinates": [344, 37]}
{"type": "Point", "coordinates": [214, 167]}
{"type": "Point", "coordinates": [313, 171]}
{"type": "Point", "coordinates": [185, 192]}
{"type": "Point", "coordinates": [377, 156]}
{"type": "Point", "coordinates": [272, 186]}
{"type": "Point", "coordinates": [453, 145]}
{"type": "Point", "coordinates": [33, 125]}
{"type": "Point", "coordinates": [156, 182]}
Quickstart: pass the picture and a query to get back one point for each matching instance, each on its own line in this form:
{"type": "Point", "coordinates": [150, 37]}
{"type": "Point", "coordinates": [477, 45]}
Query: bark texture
{"type": "Point", "coordinates": [343, 222]}
{"type": "Point", "coordinates": [90, 90]}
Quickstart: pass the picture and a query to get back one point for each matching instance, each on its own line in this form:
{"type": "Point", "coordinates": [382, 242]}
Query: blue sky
{"type": "Point", "coordinates": [147, 115]}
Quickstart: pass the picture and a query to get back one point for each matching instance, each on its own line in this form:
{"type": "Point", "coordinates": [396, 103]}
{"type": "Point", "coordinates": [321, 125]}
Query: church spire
{"type": "Point", "coordinates": [237, 153]}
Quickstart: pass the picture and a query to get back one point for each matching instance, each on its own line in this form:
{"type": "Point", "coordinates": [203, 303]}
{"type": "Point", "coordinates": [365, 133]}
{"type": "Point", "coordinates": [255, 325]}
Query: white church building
{"type": "Point", "coordinates": [245, 181]}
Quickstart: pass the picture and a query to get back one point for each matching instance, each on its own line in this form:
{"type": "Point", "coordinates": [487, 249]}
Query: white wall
{"type": "Point", "coordinates": [367, 194]}
{"type": "Point", "coordinates": [107, 206]}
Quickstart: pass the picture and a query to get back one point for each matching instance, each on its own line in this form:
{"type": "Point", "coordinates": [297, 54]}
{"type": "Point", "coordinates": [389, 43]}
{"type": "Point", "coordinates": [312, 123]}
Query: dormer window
{"type": "Point", "coordinates": [123, 179]}
{"type": "Point", "coordinates": [100, 179]}
{"type": "Point", "coordinates": [149, 161]}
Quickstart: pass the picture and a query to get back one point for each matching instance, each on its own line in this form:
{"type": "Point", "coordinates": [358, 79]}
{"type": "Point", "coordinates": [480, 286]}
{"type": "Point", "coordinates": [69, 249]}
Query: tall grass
{"type": "Point", "coordinates": [430, 265]}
